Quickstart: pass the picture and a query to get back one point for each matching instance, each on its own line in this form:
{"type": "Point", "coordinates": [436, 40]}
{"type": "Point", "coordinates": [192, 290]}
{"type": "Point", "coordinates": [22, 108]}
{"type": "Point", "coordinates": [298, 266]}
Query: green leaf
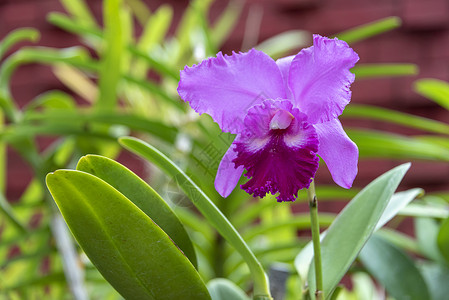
{"type": "Point", "coordinates": [204, 205]}
{"type": "Point", "coordinates": [366, 31]}
{"type": "Point", "coordinates": [84, 118]}
{"type": "Point", "coordinates": [380, 144]}
{"type": "Point", "coordinates": [80, 10]}
{"type": "Point", "coordinates": [140, 10]}
{"type": "Point", "coordinates": [426, 232]}
{"type": "Point", "coordinates": [443, 239]}
{"type": "Point", "coordinates": [364, 287]}
{"type": "Point", "coordinates": [156, 28]}
{"type": "Point", "coordinates": [384, 70]}
{"type": "Point", "coordinates": [392, 268]}
{"type": "Point", "coordinates": [436, 277]}
{"type": "Point", "coordinates": [396, 204]}
{"type": "Point", "coordinates": [92, 35]}
{"type": "Point", "coordinates": [75, 55]}
{"type": "Point", "coordinates": [425, 210]}
{"type": "Point", "coordinates": [226, 22]}
{"type": "Point", "coordinates": [7, 211]}
{"type": "Point", "coordinates": [156, 90]}
{"type": "Point", "coordinates": [142, 195]}
{"type": "Point", "coordinates": [395, 117]}
{"type": "Point", "coordinates": [283, 43]}
{"type": "Point", "coordinates": [17, 36]}
{"type": "Point", "coordinates": [52, 100]}
{"type": "Point", "coordinates": [114, 46]}
{"type": "Point", "coordinates": [223, 289]}
{"type": "Point", "coordinates": [353, 227]}
{"type": "Point", "coordinates": [434, 89]}
{"type": "Point", "coordinates": [126, 246]}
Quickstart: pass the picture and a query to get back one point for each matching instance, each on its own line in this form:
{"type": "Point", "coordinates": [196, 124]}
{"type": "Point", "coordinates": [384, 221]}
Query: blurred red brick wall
{"type": "Point", "coordinates": [423, 39]}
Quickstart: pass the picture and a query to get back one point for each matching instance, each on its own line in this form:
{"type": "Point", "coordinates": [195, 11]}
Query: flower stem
{"type": "Point", "coordinates": [315, 226]}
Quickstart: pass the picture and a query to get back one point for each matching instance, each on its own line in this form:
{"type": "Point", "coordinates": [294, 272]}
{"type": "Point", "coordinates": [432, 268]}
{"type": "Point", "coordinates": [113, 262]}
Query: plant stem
{"type": "Point", "coordinates": [315, 226]}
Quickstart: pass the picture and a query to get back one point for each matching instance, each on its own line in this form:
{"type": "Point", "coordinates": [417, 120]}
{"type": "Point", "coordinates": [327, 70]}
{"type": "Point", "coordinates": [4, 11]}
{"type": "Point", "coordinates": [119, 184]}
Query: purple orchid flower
{"type": "Point", "coordinates": [284, 114]}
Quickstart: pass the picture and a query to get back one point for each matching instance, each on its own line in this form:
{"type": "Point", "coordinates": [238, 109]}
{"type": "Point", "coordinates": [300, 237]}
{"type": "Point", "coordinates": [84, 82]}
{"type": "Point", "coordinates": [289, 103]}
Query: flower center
{"type": "Point", "coordinates": [281, 120]}
{"type": "Point", "coordinates": [278, 150]}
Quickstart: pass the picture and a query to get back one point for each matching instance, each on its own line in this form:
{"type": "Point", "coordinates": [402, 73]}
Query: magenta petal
{"type": "Point", "coordinates": [284, 66]}
{"type": "Point", "coordinates": [319, 78]}
{"type": "Point", "coordinates": [338, 152]}
{"type": "Point", "coordinates": [277, 160]}
{"type": "Point", "coordinates": [227, 175]}
{"type": "Point", "coordinates": [225, 87]}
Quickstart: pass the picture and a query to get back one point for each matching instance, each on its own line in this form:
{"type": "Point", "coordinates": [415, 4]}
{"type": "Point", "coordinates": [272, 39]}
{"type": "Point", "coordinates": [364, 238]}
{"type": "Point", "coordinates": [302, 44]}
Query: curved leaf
{"type": "Point", "coordinates": [142, 195]}
{"type": "Point", "coordinates": [394, 270]}
{"type": "Point", "coordinates": [130, 250]}
{"type": "Point", "coordinates": [353, 227]}
{"type": "Point", "coordinates": [434, 89]}
{"type": "Point", "coordinates": [365, 31]}
{"type": "Point", "coordinates": [17, 36]}
{"type": "Point", "coordinates": [443, 239]}
{"type": "Point", "coordinates": [223, 289]}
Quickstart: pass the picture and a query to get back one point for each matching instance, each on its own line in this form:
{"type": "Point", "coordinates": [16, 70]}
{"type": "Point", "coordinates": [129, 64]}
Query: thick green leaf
{"type": "Point", "coordinates": [394, 270]}
{"type": "Point", "coordinates": [223, 289]}
{"type": "Point", "coordinates": [443, 239]}
{"type": "Point", "coordinates": [434, 89]}
{"type": "Point", "coordinates": [126, 246]}
{"type": "Point", "coordinates": [365, 31]}
{"type": "Point", "coordinates": [142, 195]}
{"type": "Point", "coordinates": [353, 227]}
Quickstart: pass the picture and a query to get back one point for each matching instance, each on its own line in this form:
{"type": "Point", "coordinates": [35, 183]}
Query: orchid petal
{"type": "Point", "coordinates": [319, 78]}
{"type": "Point", "coordinates": [227, 175]}
{"type": "Point", "coordinates": [225, 87]}
{"type": "Point", "coordinates": [280, 160]}
{"type": "Point", "coordinates": [338, 152]}
{"type": "Point", "coordinates": [284, 64]}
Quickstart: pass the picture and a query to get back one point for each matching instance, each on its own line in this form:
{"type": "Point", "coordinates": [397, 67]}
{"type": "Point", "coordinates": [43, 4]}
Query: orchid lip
{"type": "Point", "coordinates": [281, 120]}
